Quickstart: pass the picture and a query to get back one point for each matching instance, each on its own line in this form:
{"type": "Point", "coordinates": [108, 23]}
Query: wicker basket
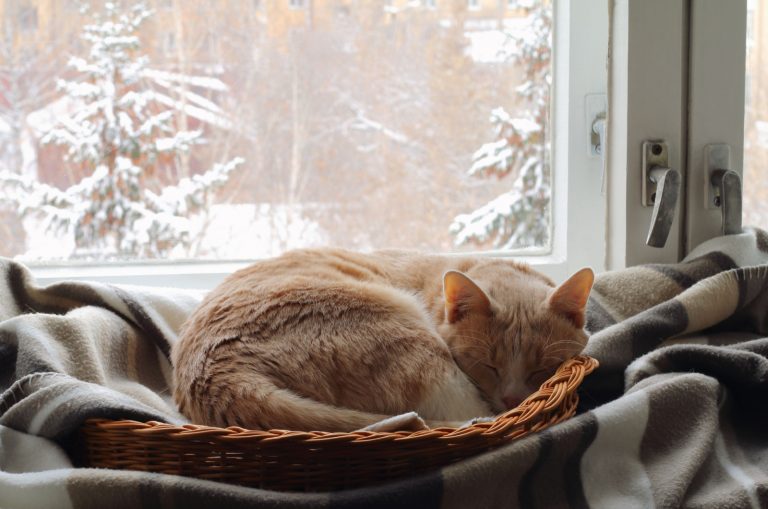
{"type": "Point", "coordinates": [321, 461]}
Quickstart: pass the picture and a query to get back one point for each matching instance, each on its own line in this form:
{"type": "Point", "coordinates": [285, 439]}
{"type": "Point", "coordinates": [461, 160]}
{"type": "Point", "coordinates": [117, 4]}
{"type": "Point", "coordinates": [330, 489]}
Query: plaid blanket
{"type": "Point", "coordinates": [676, 415]}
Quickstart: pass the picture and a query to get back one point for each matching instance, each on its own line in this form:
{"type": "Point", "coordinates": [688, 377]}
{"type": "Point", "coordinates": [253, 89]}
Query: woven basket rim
{"type": "Point", "coordinates": [287, 460]}
{"type": "Point", "coordinates": [547, 399]}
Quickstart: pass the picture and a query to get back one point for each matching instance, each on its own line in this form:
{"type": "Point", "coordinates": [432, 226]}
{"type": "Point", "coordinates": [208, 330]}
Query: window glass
{"type": "Point", "coordinates": [755, 187]}
{"type": "Point", "coordinates": [207, 130]}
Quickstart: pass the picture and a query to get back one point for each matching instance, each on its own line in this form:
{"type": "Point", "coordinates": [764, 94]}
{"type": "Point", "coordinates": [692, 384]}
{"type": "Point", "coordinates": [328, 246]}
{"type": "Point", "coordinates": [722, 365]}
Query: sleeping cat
{"type": "Point", "coordinates": [332, 340]}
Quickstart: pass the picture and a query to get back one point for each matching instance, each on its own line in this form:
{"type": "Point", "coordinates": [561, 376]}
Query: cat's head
{"type": "Point", "coordinates": [509, 330]}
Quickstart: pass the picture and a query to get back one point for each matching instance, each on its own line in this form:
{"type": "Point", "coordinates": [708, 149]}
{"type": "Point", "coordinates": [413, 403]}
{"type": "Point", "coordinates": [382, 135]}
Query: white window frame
{"type": "Point", "coordinates": [717, 85]}
{"type": "Point", "coordinates": [691, 97]}
{"type": "Point", "coordinates": [646, 102]}
{"type": "Point", "coordinates": [580, 40]}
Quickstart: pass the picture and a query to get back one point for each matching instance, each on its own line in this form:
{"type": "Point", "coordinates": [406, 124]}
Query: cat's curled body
{"type": "Point", "coordinates": [327, 339]}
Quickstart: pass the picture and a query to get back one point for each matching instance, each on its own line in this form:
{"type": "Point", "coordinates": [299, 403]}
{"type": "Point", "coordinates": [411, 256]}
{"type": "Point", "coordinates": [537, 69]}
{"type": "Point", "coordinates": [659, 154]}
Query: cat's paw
{"type": "Point", "coordinates": [409, 421]}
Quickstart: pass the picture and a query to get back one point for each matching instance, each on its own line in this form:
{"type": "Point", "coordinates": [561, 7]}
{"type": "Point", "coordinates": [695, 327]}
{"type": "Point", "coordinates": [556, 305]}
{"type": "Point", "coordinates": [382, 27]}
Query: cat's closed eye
{"type": "Point", "coordinates": [493, 369]}
{"type": "Point", "coordinates": [538, 377]}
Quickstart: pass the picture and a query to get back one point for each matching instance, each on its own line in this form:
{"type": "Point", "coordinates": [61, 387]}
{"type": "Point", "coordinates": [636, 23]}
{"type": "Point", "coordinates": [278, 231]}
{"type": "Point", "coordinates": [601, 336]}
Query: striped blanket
{"type": "Point", "coordinates": [676, 415]}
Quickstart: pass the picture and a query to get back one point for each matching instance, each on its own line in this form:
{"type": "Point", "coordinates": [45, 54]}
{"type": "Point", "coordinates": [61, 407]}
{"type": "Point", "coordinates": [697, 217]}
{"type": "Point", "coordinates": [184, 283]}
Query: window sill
{"type": "Point", "coordinates": [206, 275]}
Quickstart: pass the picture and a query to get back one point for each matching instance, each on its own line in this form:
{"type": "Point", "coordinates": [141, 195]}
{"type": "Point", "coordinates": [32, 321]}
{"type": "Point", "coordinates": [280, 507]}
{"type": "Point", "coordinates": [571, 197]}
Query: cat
{"type": "Point", "coordinates": [333, 340]}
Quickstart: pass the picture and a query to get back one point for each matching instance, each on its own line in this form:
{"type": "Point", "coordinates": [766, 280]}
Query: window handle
{"type": "Point", "coordinates": [727, 190]}
{"type": "Point", "coordinates": [661, 190]}
{"type": "Point", "coordinates": [664, 201]}
{"type": "Point", "coordinates": [598, 146]}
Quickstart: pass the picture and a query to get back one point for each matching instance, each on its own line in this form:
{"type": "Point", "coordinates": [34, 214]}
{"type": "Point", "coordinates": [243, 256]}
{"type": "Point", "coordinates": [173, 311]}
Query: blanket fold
{"type": "Point", "coordinates": [676, 415]}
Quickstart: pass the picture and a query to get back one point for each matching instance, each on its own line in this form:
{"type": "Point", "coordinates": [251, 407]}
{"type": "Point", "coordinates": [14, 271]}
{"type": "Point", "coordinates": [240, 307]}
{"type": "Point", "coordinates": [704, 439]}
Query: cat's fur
{"type": "Point", "coordinates": [328, 339]}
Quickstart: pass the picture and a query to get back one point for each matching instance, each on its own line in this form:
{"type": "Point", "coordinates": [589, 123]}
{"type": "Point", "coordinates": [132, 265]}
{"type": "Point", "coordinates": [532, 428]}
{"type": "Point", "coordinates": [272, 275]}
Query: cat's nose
{"type": "Point", "coordinates": [511, 401]}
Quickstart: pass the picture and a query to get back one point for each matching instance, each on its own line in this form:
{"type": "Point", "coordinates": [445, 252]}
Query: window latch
{"type": "Point", "coordinates": [595, 105]}
{"type": "Point", "coordinates": [724, 187]}
{"type": "Point", "coordinates": [661, 190]}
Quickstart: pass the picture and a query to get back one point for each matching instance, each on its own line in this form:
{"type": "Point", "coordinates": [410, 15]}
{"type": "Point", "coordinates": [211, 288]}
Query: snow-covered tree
{"type": "Point", "coordinates": [121, 135]}
{"type": "Point", "coordinates": [520, 217]}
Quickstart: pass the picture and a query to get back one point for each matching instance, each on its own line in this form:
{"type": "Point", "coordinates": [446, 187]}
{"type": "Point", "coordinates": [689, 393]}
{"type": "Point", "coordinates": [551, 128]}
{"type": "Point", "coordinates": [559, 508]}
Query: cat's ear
{"type": "Point", "coordinates": [570, 298]}
{"type": "Point", "coordinates": [463, 296]}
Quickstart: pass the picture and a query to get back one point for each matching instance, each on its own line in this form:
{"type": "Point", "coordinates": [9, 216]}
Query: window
{"type": "Point", "coordinates": [296, 4]}
{"type": "Point", "coordinates": [417, 132]}
{"type": "Point", "coordinates": [755, 211]}
{"type": "Point", "coordinates": [473, 4]}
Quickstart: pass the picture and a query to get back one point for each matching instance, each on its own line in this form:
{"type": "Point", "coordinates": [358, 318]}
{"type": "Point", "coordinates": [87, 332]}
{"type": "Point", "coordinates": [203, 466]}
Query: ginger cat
{"type": "Point", "coordinates": [332, 340]}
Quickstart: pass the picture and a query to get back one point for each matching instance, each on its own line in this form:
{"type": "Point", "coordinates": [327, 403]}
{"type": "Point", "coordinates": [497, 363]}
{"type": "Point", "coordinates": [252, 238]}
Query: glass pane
{"type": "Point", "coordinates": [207, 130]}
{"type": "Point", "coordinates": [755, 188]}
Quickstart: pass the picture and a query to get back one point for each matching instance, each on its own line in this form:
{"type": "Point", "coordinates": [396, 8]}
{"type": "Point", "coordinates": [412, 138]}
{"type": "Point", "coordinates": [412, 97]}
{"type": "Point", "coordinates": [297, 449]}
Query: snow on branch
{"type": "Point", "coordinates": [119, 133]}
{"type": "Point", "coordinates": [520, 217]}
{"type": "Point", "coordinates": [205, 82]}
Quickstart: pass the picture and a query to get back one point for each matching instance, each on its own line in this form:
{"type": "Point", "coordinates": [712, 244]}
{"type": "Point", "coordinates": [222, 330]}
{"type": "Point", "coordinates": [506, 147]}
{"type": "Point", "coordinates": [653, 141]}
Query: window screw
{"type": "Point", "coordinates": [656, 149]}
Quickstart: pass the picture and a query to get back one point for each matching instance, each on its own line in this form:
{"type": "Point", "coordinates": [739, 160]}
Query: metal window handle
{"type": "Point", "coordinates": [661, 190]}
{"type": "Point", "coordinates": [727, 188]}
{"type": "Point", "coordinates": [598, 146]}
{"type": "Point", "coordinates": [664, 201]}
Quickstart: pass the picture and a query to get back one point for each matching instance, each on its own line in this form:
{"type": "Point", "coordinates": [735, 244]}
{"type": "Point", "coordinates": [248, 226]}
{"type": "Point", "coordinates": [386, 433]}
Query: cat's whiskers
{"type": "Point", "coordinates": [560, 351]}
{"type": "Point", "coordinates": [558, 360]}
{"type": "Point", "coordinates": [470, 341]}
{"type": "Point", "coordinates": [473, 336]}
{"type": "Point", "coordinates": [548, 341]}
{"type": "Point", "coordinates": [472, 366]}
{"type": "Point", "coordinates": [476, 350]}
{"type": "Point", "coordinates": [563, 341]}
{"type": "Point", "coordinates": [560, 346]}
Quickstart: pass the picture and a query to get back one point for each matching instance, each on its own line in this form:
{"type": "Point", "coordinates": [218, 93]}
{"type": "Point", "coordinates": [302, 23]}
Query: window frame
{"type": "Point", "coordinates": [647, 101]}
{"type": "Point", "coordinates": [692, 97]}
{"type": "Point", "coordinates": [717, 93]}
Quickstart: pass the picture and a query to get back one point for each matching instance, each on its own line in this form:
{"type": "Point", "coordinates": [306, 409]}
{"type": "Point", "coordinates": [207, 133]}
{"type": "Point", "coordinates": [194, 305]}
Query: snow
{"type": "Point", "coordinates": [523, 126]}
{"type": "Point", "coordinates": [231, 231]}
{"type": "Point", "coordinates": [487, 46]}
{"type": "Point", "coordinates": [112, 212]}
{"type": "Point", "coordinates": [519, 217]}
{"type": "Point", "coordinates": [205, 82]}
{"type": "Point", "coordinates": [258, 230]}
{"type": "Point", "coordinates": [180, 220]}
{"type": "Point", "coordinates": [490, 43]}
{"type": "Point", "coordinates": [412, 4]}
{"type": "Point", "coordinates": [180, 142]}
{"type": "Point", "coordinates": [762, 133]}
{"type": "Point", "coordinates": [201, 114]}
{"type": "Point", "coordinates": [364, 123]}
{"type": "Point", "coordinates": [523, 4]}
{"type": "Point", "coordinates": [43, 120]}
